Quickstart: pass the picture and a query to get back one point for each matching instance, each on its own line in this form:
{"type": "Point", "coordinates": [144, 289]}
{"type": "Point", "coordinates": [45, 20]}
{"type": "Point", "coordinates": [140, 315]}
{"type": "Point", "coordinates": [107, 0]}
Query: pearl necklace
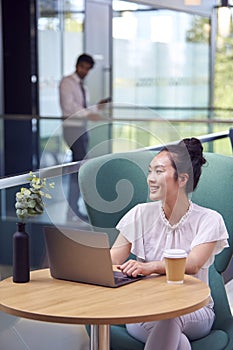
{"type": "Point", "coordinates": [180, 222]}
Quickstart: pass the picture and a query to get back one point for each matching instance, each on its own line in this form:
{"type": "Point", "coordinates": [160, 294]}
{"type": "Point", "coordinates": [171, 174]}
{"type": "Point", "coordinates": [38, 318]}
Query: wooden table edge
{"type": "Point", "coordinates": [107, 320]}
{"type": "Point", "coordinates": [104, 320]}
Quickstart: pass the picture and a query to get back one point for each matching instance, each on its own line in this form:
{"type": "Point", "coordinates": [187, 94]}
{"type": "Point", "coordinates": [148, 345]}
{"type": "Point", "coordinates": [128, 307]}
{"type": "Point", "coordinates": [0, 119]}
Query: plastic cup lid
{"type": "Point", "coordinates": [175, 253]}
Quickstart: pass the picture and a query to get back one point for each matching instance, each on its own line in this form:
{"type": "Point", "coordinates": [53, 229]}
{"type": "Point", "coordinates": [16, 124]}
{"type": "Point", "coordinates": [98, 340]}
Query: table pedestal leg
{"type": "Point", "coordinates": [100, 337]}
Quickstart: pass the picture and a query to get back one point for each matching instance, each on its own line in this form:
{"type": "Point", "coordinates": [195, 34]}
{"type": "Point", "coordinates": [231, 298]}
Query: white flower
{"type": "Point", "coordinates": [29, 200]}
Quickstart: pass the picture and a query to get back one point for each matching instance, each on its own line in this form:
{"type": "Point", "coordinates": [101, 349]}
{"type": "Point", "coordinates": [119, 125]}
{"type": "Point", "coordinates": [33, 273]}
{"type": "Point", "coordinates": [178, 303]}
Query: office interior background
{"type": "Point", "coordinates": [166, 65]}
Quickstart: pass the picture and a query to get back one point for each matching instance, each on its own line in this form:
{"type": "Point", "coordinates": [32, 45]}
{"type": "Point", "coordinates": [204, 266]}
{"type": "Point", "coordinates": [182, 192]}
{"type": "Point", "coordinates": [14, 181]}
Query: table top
{"type": "Point", "coordinates": [52, 300]}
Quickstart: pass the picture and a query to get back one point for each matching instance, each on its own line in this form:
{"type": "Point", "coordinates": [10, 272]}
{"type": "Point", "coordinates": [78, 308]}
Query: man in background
{"type": "Point", "coordinates": [74, 99]}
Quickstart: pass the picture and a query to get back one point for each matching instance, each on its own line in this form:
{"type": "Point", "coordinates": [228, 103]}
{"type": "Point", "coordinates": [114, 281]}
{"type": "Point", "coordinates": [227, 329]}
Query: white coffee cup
{"type": "Point", "coordinates": [175, 261]}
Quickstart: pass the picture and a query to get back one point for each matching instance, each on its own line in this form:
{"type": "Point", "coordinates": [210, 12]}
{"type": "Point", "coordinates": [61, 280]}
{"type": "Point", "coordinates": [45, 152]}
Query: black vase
{"type": "Point", "coordinates": [21, 263]}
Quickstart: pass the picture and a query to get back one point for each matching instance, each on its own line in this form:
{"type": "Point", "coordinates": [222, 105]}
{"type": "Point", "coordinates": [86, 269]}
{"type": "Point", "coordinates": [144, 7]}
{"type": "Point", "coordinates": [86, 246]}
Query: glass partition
{"type": "Point", "coordinates": [160, 57]}
{"type": "Point", "coordinates": [60, 40]}
{"type": "Point", "coordinates": [223, 41]}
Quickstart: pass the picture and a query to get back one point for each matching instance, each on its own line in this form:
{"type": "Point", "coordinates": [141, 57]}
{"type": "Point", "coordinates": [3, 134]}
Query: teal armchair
{"type": "Point", "coordinates": [112, 184]}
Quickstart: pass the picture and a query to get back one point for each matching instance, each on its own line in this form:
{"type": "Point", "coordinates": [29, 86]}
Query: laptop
{"type": "Point", "coordinates": [82, 256]}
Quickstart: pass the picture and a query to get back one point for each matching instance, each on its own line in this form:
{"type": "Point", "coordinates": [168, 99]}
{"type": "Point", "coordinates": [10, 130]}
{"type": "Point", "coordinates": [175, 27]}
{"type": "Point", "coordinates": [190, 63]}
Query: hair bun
{"type": "Point", "coordinates": [195, 149]}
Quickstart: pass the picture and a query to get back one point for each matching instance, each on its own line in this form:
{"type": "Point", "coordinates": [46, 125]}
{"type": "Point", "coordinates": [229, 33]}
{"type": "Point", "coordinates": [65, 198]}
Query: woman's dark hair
{"type": "Point", "coordinates": [187, 157]}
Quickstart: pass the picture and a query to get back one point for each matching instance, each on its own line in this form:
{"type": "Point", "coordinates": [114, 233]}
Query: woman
{"type": "Point", "coordinates": [171, 220]}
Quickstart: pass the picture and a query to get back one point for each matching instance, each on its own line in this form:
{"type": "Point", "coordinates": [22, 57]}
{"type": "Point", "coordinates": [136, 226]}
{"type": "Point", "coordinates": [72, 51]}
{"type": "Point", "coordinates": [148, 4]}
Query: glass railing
{"type": "Point", "coordinates": [125, 127]}
{"type": "Point", "coordinates": [128, 127]}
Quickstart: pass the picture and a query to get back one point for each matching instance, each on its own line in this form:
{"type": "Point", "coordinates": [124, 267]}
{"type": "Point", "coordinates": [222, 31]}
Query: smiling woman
{"type": "Point", "coordinates": [171, 220]}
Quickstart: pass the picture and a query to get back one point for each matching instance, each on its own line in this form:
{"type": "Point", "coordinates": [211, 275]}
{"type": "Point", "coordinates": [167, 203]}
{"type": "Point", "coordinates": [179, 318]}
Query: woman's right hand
{"type": "Point", "coordinates": [134, 268]}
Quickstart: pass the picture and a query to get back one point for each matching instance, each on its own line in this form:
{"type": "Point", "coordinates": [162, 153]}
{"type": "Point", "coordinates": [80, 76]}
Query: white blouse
{"type": "Point", "coordinates": [147, 229]}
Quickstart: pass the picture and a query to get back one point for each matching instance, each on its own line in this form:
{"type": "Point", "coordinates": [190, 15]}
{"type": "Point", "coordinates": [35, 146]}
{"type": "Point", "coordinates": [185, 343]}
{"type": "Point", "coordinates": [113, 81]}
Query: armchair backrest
{"type": "Point", "coordinates": [111, 185]}
{"type": "Point", "coordinates": [114, 183]}
{"type": "Point", "coordinates": [215, 191]}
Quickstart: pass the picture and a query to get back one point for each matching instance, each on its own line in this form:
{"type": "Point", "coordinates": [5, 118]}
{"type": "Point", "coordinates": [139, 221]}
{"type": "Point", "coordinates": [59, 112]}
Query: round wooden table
{"type": "Point", "coordinates": [52, 300]}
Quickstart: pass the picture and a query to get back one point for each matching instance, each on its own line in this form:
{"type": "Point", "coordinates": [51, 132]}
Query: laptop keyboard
{"type": "Point", "coordinates": [120, 277]}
